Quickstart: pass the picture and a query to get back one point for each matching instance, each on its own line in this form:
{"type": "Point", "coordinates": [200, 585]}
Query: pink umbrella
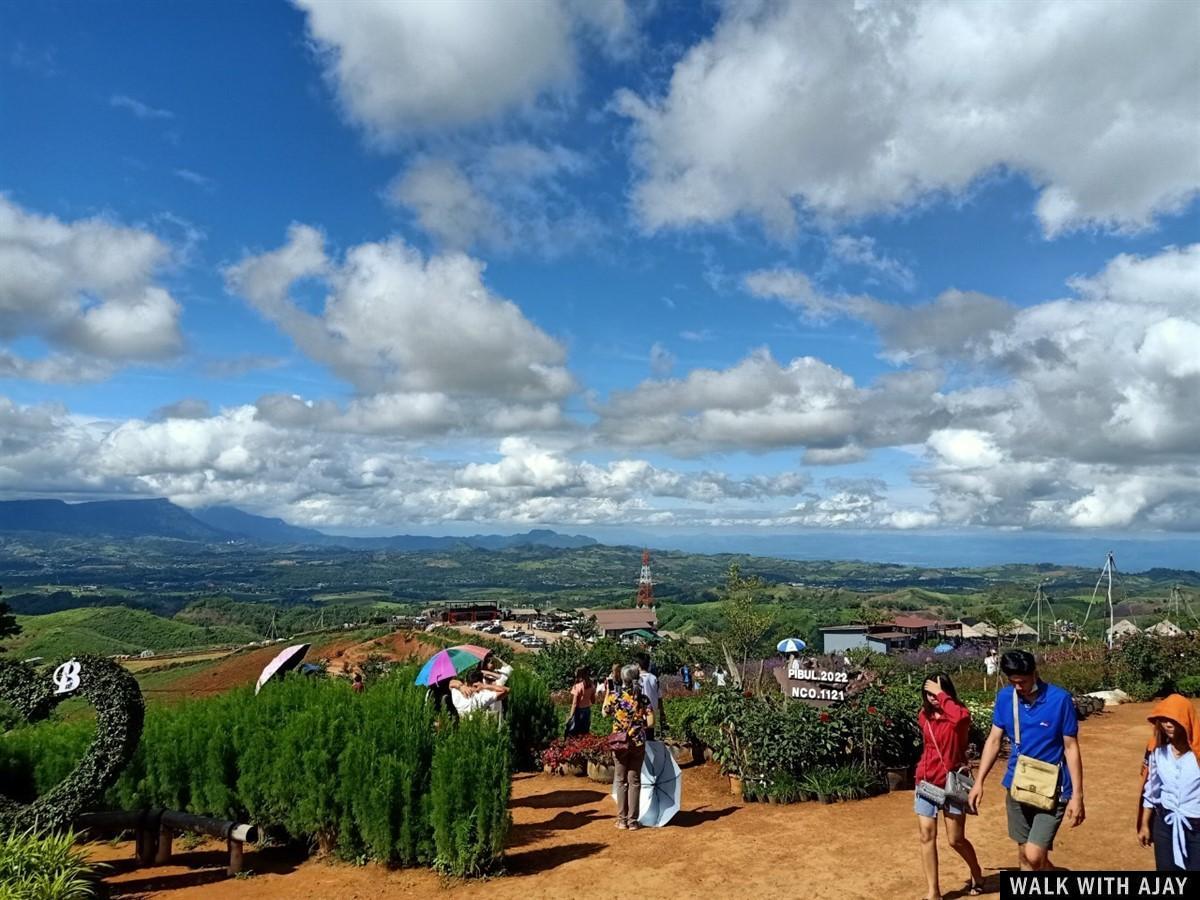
{"type": "Point", "coordinates": [286, 660]}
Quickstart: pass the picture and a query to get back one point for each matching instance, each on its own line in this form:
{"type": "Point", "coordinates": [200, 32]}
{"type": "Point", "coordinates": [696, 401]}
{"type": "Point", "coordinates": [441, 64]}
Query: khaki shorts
{"type": "Point", "coordinates": [1030, 825]}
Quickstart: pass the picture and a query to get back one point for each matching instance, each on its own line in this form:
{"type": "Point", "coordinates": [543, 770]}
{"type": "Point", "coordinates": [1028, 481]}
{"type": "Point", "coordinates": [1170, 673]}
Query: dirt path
{"type": "Point", "coordinates": [563, 844]}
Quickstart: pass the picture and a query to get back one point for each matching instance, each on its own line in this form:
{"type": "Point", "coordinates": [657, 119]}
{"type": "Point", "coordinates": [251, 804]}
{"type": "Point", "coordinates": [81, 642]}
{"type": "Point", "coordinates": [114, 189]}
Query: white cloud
{"type": "Point", "coordinates": [399, 67]}
{"type": "Point", "coordinates": [446, 205]}
{"type": "Point", "coordinates": [138, 108]}
{"type": "Point", "coordinates": [843, 110]}
{"type": "Point", "coordinates": [513, 197]}
{"type": "Point", "coordinates": [861, 251]}
{"type": "Point", "coordinates": [319, 478]}
{"type": "Point", "coordinates": [759, 405]}
{"type": "Point", "coordinates": [187, 408]}
{"type": "Point", "coordinates": [662, 360]}
{"type": "Point", "coordinates": [86, 288]}
{"type": "Point", "coordinates": [422, 339]}
{"type": "Point", "coordinates": [201, 181]}
{"type": "Point", "coordinates": [947, 327]}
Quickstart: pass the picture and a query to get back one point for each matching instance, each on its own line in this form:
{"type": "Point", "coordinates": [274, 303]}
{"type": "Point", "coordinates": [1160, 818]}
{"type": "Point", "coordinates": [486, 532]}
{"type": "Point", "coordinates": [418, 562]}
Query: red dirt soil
{"type": "Point", "coordinates": [342, 656]}
{"type": "Point", "coordinates": [564, 845]}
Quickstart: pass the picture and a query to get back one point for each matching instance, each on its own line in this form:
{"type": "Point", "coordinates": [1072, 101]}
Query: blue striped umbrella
{"type": "Point", "coordinates": [791, 645]}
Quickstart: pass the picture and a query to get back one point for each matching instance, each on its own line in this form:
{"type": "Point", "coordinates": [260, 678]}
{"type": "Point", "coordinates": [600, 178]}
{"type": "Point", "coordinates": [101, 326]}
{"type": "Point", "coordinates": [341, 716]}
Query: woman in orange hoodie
{"type": "Point", "coordinates": [1170, 817]}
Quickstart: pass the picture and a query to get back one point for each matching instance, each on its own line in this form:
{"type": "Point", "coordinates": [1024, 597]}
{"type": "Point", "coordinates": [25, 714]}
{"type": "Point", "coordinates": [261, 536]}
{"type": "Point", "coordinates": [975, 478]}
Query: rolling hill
{"type": "Point", "coordinates": [110, 630]}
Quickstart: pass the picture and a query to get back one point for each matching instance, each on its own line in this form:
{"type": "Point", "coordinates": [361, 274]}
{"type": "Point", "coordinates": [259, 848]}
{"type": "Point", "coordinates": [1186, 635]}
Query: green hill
{"type": "Point", "coordinates": [109, 630]}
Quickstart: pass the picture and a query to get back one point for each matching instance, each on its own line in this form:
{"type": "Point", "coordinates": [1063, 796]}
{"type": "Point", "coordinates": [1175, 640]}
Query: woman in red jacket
{"type": "Point", "coordinates": [945, 724]}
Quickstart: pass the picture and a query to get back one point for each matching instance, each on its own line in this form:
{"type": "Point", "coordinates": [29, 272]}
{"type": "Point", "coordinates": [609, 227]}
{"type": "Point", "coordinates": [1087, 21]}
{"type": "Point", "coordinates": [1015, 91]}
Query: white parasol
{"type": "Point", "coordinates": [662, 787]}
{"type": "Point", "coordinates": [286, 660]}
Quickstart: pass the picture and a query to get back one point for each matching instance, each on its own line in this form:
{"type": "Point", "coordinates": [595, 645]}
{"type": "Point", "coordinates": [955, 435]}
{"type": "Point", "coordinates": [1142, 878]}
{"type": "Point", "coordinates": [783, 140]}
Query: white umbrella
{"type": "Point", "coordinates": [285, 660]}
{"type": "Point", "coordinates": [791, 645]}
{"type": "Point", "coordinates": [662, 787]}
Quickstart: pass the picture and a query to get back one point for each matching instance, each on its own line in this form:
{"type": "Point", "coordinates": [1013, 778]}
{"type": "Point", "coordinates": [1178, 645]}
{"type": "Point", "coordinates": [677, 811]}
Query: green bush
{"type": "Point", "coordinates": [557, 662]}
{"type": "Point", "coordinates": [762, 735]}
{"type": "Point", "coordinates": [532, 719]}
{"type": "Point", "coordinates": [44, 867]}
{"type": "Point", "coordinates": [1189, 685]}
{"type": "Point", "coordinates": [1145, 669]}
{"type": "Point", "coordinates": [307, 759]}
{"type": "Point", "coordinates": [34, 758]}
{"type": "Point", "coordinates": [386, 771]}
{"type": "Point", "coordinates": [470, 793]}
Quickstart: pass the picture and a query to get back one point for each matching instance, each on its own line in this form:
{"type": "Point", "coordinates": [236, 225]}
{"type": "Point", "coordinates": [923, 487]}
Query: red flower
{"type": "Point", "coordinates": [872, 710]}
{"type": "Point", "coordinates": [887, 722]}
{"type": "Point", "coordinates": [747, 694]}
{"type": "Point", "coordinates": [824, 717]}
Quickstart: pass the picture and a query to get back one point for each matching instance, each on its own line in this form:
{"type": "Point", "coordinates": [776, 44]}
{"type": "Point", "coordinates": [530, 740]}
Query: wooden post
{"type": "Point", "coordinates": [162, 855]}
{"type": "Point", "coordinates": [145, 845]}
{"type": "Point", "coordinates": [235, 856]}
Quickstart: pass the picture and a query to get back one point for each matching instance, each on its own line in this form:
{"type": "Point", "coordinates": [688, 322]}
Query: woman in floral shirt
{"type": "Point", "coordinates": [631, 714]}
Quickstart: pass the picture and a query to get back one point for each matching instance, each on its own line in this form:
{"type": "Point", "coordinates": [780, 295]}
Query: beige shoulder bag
{"type": "Point", "coordinates": [1034, 782]}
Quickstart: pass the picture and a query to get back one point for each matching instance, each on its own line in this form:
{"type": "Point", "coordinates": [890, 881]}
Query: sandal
{"type": "Point", "coordinates": [973, 888]}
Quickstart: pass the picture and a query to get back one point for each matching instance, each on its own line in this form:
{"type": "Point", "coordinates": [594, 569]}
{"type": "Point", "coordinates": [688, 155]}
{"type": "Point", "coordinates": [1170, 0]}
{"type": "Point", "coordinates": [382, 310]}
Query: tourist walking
{"type": "Point", "coordinates": [1171, 798]}
{"type": "Point", "coordinates": [1039, 719]}
{"type": "Point", "coordinates": [991, 663]}
{"type": "Point", "coordinates": [719, 676]}
{"type": "Point", "coordinates": [649, 685]}
{"type": "Point", "coordinates": [633, 719]}
{"type": "Point", "coordinates": [945, 724]}
{"type": "Point", "coordinates": [685, 673]}
{"type": "Point", "coordinates": [583, 695]}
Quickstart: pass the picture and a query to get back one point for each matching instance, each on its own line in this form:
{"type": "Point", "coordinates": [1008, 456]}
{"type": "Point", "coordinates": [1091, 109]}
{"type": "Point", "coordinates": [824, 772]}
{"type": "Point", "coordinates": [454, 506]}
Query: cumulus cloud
{"type": "Point", "coordinates": [843, 110]}
{"type": "Point", "coordinates": [400, 67]}
{"type": "Point", "coordinates": [446, 204]}
{"type": "Point", "coordinates": [187, 408]}
{"type": "Point", "coordinates": [759, 405]}
{"type": "Point", "coordinates": [513, 197]}
{"type": "Point", "coordinates": [86, 288]}
{"type": "Point", "coordinates": [947, 327]}
{"type": "Point", "coordinates": [319, 478]}
{"type": "Point", "coordinates": [1074, 412]}
{"type": "Point", "coordinates": [423, 340]}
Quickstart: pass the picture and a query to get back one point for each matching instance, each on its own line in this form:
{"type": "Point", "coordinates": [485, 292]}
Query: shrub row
{"type": "Point", "coordinates": [760, 736]}
{"type": "Point", "coordinates": [374, 775]}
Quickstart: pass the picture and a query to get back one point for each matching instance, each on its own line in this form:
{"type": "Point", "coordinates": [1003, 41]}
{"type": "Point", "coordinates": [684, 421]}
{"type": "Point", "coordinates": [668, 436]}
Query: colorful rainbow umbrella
{"type": "Point", "coordinates": [450, 662]}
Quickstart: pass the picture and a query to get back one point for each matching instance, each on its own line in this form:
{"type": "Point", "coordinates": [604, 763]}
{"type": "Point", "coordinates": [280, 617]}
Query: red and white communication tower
{"type": "Point", "coordinates": [645, 594]}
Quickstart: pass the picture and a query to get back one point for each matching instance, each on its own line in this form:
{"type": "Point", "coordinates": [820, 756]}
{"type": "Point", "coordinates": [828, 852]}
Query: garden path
{"type": "Point", "coordinates": [563, 844]}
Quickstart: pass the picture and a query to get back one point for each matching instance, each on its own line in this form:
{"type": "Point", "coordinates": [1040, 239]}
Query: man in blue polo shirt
{"type": "Point", "coordinates": [1048, 732]}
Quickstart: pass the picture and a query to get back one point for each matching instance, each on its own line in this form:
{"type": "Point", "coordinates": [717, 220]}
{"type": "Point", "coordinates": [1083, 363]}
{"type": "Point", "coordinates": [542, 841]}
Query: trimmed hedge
{"type": "Point", "coordinates": [470, 793]}
{"type": "Point", "coordinates": [310, 760]}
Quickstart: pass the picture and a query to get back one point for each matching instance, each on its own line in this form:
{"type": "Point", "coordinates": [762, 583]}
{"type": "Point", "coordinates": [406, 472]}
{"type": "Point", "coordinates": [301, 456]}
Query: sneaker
{"type": "Point", "coordinates": [621, 826]}
{"type": "Point", "coordinates": [633, 826]}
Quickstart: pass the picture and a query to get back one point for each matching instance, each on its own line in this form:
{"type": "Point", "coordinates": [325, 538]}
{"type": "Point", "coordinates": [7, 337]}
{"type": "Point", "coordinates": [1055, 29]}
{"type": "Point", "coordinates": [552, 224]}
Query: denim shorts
{"type": "Point", "coordinates": [927, 810]}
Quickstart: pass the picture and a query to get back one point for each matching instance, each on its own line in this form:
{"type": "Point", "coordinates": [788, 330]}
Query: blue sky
{"type": "Point", "coordinates": [757, 267]}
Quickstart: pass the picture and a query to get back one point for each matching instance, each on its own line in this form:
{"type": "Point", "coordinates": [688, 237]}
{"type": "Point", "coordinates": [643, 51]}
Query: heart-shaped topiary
{"type": "Point", "coordinates": [120, 712]}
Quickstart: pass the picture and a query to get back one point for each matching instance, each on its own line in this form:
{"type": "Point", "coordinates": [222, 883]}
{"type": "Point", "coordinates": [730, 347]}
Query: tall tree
{"type": "Point", "coordinates": [8, 622]}
{"type": "Point", "coordinates": [746, 619]}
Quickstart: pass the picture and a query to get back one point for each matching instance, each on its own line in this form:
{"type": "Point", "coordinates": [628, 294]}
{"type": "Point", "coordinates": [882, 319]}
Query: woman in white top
{"type": "Point", "coordinates": [1171, 798]}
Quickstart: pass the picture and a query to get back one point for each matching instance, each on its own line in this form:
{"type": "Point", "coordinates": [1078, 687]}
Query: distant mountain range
{"type": "Point", "coordinates": [221, 524]}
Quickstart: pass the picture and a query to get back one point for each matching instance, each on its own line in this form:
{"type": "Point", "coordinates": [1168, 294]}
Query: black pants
{"type": "Point", "coordinates": [1164, 846]}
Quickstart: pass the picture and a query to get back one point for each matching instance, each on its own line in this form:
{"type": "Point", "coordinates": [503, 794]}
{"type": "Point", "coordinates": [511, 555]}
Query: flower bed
{"type": "Point", "coordinates": [565, 755]}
